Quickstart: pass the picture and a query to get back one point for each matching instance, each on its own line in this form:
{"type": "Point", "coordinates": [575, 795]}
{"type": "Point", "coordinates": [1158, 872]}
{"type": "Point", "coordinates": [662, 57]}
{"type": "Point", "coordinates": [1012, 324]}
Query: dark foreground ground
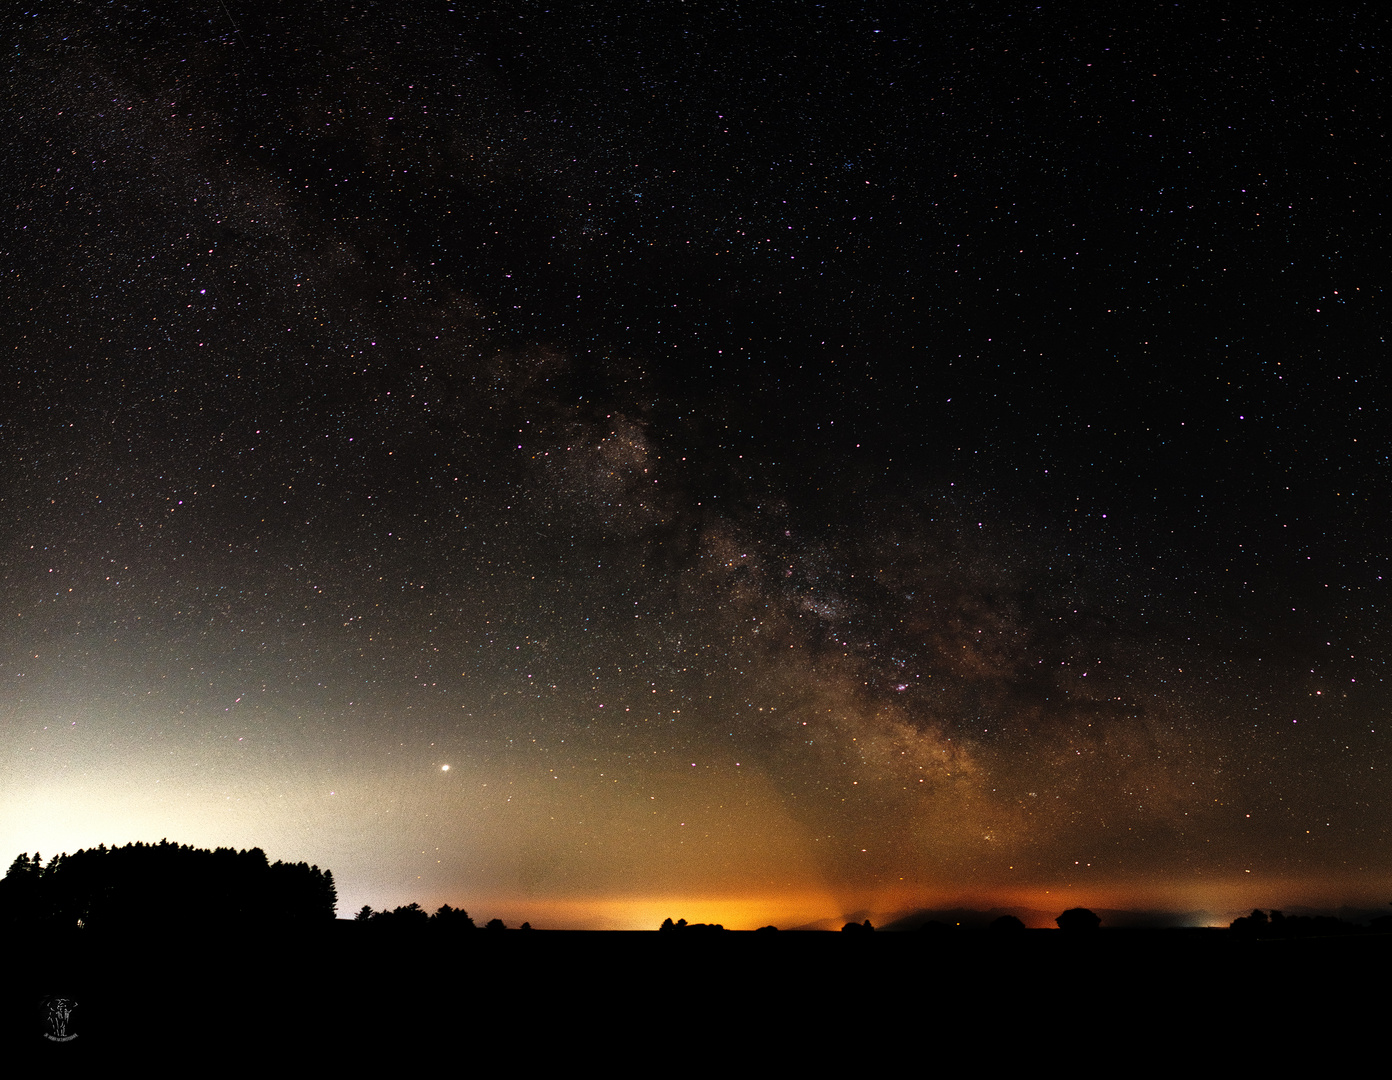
{"type": "Point", "coordinates": [341, 999]}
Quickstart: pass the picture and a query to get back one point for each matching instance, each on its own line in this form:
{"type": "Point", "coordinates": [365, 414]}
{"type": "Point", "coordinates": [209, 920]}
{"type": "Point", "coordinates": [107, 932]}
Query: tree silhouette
{"type": "Point", "coordinates": [1253, 925]}
{"type": "Point", "coordinates": [452, 919]}
{"type": "Point", "coordinates": [21, 891]}
{"type": "Point", "coordinates": [410, 915]}
{"type": "Point", "coordinates": [1007, 923]}
{"type": "Point", "coordinates": [1078, 920]}
{"type": "Point", "coordinates": [854, 927]}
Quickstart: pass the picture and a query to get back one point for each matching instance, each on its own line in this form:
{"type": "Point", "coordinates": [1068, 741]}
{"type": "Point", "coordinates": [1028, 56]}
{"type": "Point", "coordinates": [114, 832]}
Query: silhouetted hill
{"type": "Point", "coordinates": [965, 918]}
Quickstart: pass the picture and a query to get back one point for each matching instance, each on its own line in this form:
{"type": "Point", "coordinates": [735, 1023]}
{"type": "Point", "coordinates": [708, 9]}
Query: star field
{"type": "Point", "coordinates": [826, 456]}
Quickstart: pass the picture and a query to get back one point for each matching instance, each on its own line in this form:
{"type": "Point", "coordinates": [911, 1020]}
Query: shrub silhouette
{"type": "Point", "coordinates": [853, 927]}
{"type": "Point", "coordinates": [1007, 923]}
{"type": "Point", "coordinates": [1078, 920]}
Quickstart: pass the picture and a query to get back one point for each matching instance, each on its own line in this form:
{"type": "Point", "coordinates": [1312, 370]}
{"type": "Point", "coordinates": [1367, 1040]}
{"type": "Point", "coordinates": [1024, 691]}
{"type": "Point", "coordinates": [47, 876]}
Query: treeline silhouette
{"type": "Point", "coordinates": [168, 885]}
{"type": "Point", "coordinates": [412, 919]}
{"type": "Point", "coordinates": [1279, 925]}
{"type": "Point", "coordinates": [682, 924]}
{"type": "Point", "coordinates": [164, 885]}
{"type": "Point", "coordinates": [1081, 920]}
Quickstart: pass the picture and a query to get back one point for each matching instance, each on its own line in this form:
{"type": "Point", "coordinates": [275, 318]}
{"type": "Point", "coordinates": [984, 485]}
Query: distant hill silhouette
{"type": "Point", "coordinates": [961, 918]}
{"type": "Point", "coordinates": [163, 885]}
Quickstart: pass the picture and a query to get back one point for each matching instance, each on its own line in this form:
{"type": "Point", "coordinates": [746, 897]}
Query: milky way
{"type": "Point", "coordinates": [812, 460]}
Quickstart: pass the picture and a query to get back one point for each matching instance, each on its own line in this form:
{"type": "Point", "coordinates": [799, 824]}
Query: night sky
{"type": "Point", "coordinates": [754, 462]}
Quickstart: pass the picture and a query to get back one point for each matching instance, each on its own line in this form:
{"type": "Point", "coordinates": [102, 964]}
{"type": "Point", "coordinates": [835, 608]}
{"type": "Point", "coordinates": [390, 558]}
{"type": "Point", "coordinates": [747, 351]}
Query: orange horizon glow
{"type": "Point", "coordinates": [1210, 903]}
{"type": "Point", "coordinates": [337, 833]}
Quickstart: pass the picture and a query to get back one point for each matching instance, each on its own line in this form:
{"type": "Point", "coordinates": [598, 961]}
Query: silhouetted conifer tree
{"type": "Point", "coordinates": [452, 919]}
{"type": "Point", "coordinates": [410, 915]}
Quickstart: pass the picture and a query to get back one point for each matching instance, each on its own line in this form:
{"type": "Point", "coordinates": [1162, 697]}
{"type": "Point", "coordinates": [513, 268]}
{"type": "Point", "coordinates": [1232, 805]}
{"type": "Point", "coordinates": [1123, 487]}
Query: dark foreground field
{"type": "Point", "coordinates": [341, 997]}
